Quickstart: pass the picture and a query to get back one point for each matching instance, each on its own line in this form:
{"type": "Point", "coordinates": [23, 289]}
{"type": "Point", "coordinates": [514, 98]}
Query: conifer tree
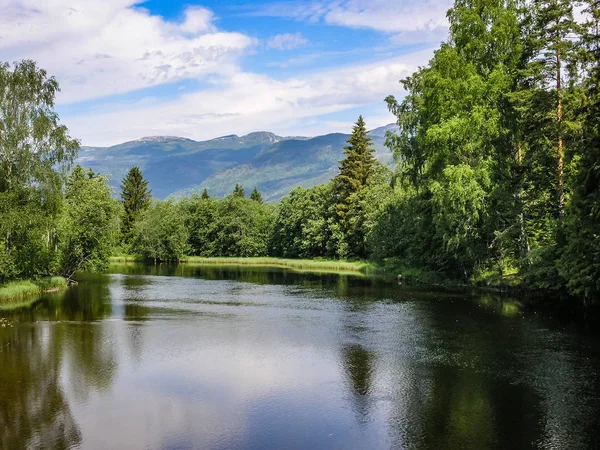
{"type": "Point", "coordinates": [256, 195]}
{"type": "Point", "coordinates": [136, 199]}
{"type": "Point", "coordinates": [553, 57]}
{"type": "Point", "coordinates": [356, 170]}
{"type": "Point", "coordinates": [205, 195]}
{"type": "Point", "coordinates": [238, 191]}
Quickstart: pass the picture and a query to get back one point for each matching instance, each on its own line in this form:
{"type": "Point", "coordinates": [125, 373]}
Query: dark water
{"type": "Point", "coordinates": [217, 358]}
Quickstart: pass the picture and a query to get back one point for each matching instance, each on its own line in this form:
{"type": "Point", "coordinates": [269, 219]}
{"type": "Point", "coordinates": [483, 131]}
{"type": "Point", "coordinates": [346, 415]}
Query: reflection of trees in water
{"type": "Point", "coordinates": [33, 409]}
{"type": "Point", "coordinates": [38, 353]}
{"type": "Point", "coordinates": [358, 367]}
{"type": "Point", "coordinates": [485, 380]}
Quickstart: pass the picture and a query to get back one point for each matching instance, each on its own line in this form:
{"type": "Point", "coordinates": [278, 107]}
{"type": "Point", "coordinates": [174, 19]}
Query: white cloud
{"type": "Point", "coordinates": [381, 15]}
{"type": "Point", "coordinates": [287, 41]}
{"type": "Point", "coordinates": [99, 48]}
{"type": "Point", "coordinates": [245, 102]}
{"type": "Point", "coordinates": [425, 35]}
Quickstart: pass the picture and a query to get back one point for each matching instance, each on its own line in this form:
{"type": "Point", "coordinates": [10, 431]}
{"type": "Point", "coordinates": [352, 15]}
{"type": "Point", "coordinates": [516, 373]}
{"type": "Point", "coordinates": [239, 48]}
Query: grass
{"type": "Point", "coordinates": [307, 265]}
{"type": "Point", "coordinates": [15, 291]}
{"type": "Point", "coordinates": [387, 269]}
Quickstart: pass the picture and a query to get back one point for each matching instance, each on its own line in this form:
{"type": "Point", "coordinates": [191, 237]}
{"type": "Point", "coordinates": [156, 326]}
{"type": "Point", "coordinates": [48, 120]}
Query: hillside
{"type": "Point", "coordinates": [177, 166]}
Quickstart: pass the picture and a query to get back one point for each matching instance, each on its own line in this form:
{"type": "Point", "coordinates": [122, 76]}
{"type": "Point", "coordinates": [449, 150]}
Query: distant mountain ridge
{"type": "Point", "coordinates": [176, 166]}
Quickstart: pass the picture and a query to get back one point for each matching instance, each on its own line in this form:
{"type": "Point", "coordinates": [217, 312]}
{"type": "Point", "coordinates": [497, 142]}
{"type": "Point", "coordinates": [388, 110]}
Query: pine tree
{"type": "Point", "coordinates": [136, 199]}
{"type": "Point", "coordinates": [256, 195]}
{"type": "Point", "coordinates": [356, 170]}
{"type": "Point", "coordinates": [205, 195]}
{"type": "Point", "coordinates": [554, 41]}
{"type": "Point", "coordinates": [238, 191]}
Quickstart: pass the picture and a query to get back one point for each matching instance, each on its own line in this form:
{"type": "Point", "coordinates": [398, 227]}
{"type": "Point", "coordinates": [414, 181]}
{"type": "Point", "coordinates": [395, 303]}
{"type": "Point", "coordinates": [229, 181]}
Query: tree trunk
{"type": "Point", "coordinates": [561, 151]}
{"type": "Point", "coordinates": [523, 240]}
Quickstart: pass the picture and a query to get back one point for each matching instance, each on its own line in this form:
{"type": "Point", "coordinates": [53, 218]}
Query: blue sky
{"type": "Point", "coordinates": [202, 69]}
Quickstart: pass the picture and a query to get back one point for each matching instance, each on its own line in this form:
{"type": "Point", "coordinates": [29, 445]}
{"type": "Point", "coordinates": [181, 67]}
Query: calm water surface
{"type": "Point", "coordinates": [231, 358]}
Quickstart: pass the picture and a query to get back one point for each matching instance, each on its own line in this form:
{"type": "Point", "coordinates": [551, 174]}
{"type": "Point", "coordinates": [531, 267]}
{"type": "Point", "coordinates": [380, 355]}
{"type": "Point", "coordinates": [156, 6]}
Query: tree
{"type": "Point", "coordinates": [136, 199]}
{"type": "Point", "coordinates": [241, 227]}
{"type": "Point", "coordinates": [89, 223]}
{"type": "Point", "coordinates": [160, 234]}
{"type": "Point", "coordinates": [238, 191]}
{"type": "Point", "coordinates": [200, 214]}
{"type": "Point", "coordinates": [580, 260]}
{"type": "Point", "coordinates": [36, 152]}
{"type": "Point", "coordinates": [301, 225]}
{"type": "Point", "coordinates": [205, 195]}
{"type": "Point", "coordinates": [356, 170]}
{"type": "Point", "coordinates": [553, 52]}
{"type": "Point", "coordinates": [255, 195]}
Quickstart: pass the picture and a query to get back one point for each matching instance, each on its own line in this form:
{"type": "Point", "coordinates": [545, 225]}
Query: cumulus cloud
{"type": "Point", "coordinates": [381, 15]}
{"type": "Point", "coordinates": [245, 102]}
{"type": "Point", "coordinates": [100, 48]}
{"type": "Point", "coordinates": [286, 41]}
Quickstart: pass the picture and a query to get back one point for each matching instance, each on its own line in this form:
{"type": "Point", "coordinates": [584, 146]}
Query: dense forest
{"type": "Point", "coordinates": [497, 177]}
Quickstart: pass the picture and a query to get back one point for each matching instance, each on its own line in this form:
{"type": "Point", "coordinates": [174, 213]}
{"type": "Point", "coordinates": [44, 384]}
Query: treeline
{"type": "Point", "coordinates": [497, 177]}
{"type": "Point", "coordinates": [326, 221]}
{"type": "Point", "coordinates": [499, 149]}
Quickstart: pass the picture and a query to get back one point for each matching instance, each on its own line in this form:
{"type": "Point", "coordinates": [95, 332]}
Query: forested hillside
{"type": "Point", "coordinates": [179, 167]}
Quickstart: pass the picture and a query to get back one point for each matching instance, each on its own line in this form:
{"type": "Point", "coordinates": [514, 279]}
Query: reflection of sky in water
{"type": "Point", "coordinates": [272, 360]}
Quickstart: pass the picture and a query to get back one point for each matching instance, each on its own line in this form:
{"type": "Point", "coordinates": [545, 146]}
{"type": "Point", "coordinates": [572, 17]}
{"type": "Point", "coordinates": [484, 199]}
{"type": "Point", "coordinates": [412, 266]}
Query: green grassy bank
{"type": "Point", "coordinates": [389, 269]}
{"type": "Point", "coordinates": [15, 292]}
{"type": "Point", "coordinates": [308, 265]}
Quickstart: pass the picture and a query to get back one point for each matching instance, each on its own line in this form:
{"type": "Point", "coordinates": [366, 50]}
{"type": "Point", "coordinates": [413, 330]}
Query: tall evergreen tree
{"type": "Point", "coordinates": [580, 262]}
{"type": "Point", "coordinates": [205, 195]}
{"type": "Point", "coordinates": [553, 60]}
{"type": "Point", "coordinates": [356, 169]}
{"type": "Point", "coordinates": [255, 195]}
{"type": "Point", "coordinates": [238, 191]}
{"type": "Point", "coordinates": [136, 198]}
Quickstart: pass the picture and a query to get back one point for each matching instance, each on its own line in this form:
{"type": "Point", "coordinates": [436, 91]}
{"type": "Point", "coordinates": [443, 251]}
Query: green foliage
{"type": "Point", "coordinates": [255, 195]}
{"type": "Point", "coordinates": [200, 214]}
{"type": "Point", "coordinates": [302, 225]}
{"type": "Point", "coordinates": [356, 170]}
{"type": "Point", "coordinates": [136, 199]}
{"type": "Point", "coordinates": [205, 195]}
{"type": "Point", "coordinates": [238, 191]}
{"type": "Point", "coordinates": [35, 153]}
{"type": "Point", "coordinates": [161, 234]}
{"type": "Point", "coordinates": [88, 224]}
{"type": "Point", "coordinates": [241, 228]}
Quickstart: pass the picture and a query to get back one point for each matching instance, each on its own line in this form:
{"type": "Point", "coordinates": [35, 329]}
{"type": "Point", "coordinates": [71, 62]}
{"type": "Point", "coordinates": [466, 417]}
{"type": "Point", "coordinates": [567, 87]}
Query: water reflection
{"type": "Point", "coordinates": [33, 407]}
{"type": "Point", "coordinates": [215, 357]}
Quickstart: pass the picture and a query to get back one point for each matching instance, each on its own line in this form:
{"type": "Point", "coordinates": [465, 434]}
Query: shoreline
{"type": "Point", "coordinates": [16, 293]}
{"type": "Point", "coordinates": [301, 265]}
{"type": "Point", "coordinates": [388, 270]}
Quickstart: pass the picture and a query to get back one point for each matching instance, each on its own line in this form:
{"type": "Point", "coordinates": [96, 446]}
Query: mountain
{"type": "Point", "coordinates": [177, 167]}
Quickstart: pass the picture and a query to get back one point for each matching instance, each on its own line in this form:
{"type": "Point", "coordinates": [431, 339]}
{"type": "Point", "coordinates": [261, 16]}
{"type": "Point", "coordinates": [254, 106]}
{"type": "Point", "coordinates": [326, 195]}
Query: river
{"type": "Point", "coordinates": [194, 357]}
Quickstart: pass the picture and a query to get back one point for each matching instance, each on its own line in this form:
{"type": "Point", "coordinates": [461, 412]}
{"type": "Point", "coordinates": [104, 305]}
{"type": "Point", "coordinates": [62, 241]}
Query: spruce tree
{"type": "Point", "coordinates": [136, 197]}
{"type": "Point", "coordinates": [356, 170]}
{"type": "Point", "coordinates": [256, 195]}
{"type": "Point", "coordinates": [205, 195]}
{"type": "Point", "coordinates": [238, 191]}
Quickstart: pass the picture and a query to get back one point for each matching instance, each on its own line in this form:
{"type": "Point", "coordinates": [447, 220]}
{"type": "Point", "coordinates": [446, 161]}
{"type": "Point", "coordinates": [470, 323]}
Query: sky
{"type": "Point", "coordinates": [203, 69]}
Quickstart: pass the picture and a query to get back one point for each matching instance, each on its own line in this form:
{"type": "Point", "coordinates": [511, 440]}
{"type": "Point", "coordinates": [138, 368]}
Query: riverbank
{"type": "Point", "coordinates": [389, 269]}
{"type": "Point", "coordinates": [304, 265]}
{"type": "Point", "coordinates": [17, 292]}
